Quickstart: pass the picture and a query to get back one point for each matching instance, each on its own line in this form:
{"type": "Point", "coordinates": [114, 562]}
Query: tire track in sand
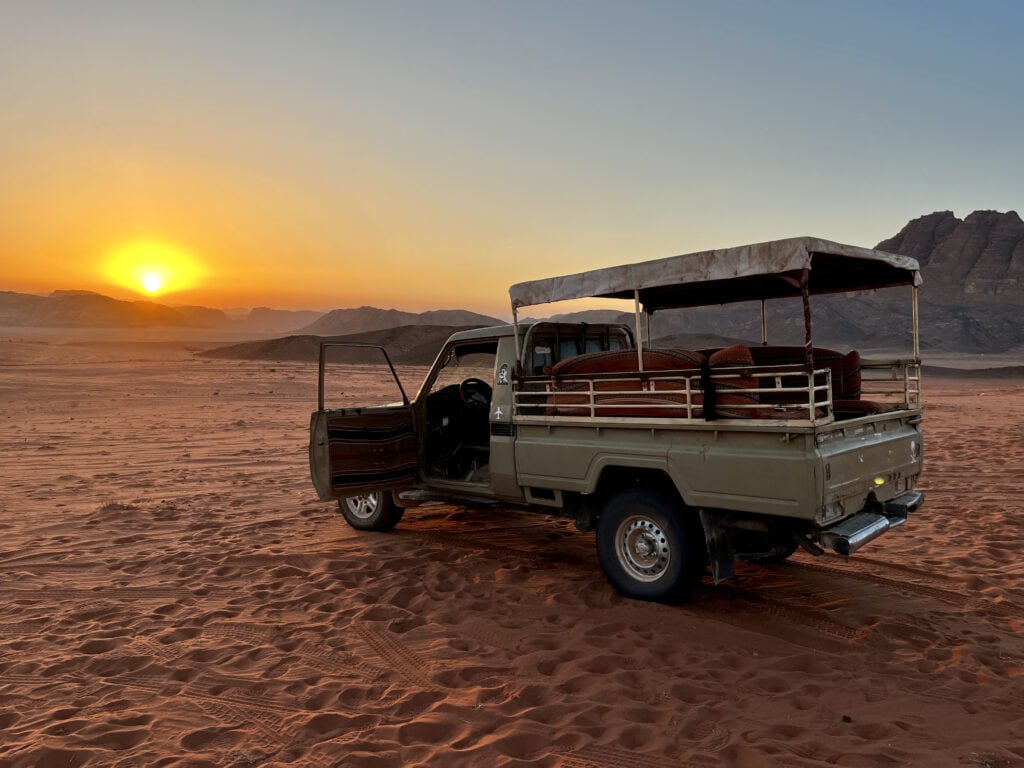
{"type": "Point", "coordinates": [595, 756]}
{"type": "Point", "coordinates": [114, 594]}
{"type": "Point", "coordinates": [942, 594]}
{"type": "Point", "coordinates": [317, 655]}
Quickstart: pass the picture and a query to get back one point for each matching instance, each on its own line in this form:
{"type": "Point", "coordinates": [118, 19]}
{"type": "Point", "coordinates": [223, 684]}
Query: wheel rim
{"type": "Point", "coordinates": [363, 507]}
{"type": "Point", "coordinates": [642, 548]}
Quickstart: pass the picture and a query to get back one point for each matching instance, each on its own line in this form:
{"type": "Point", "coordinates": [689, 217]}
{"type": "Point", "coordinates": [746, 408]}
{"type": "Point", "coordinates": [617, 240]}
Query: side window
{"type": "Point", "coordinates": [555, 344]}
{"type": "Point", "coordinates": [542, 357]}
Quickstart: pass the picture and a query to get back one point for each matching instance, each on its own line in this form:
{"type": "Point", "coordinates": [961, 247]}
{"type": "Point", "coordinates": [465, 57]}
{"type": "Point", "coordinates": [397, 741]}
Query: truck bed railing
{"type": "Point", "coordinates": [781, 392]}
{"type": "Point", "coordinates": [888, 379]}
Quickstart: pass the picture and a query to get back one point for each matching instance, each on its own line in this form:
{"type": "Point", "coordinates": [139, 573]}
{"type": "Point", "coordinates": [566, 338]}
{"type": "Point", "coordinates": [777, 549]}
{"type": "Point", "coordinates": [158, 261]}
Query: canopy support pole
{"type": "Point", "coordinates": [764, 325]}
{"type": "Point", "coordinates": [808, 343]}
{"type": "Point", "coordinates": [639, 337]}
{"type": "Point", "coordinates": [913, 314]}
{"type": "Point", "coordinates": [515, 335]}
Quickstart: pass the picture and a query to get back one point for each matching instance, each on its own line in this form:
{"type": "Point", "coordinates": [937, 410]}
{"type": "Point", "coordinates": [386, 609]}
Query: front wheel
{"type": "Point", "coordinates": [371, 512]}
{"type": "Point", "coordinates": [645, 547]}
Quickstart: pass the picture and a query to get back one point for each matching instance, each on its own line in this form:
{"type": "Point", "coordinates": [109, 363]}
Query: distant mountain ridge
{"type": "Point", "coordinates": [972, 301]}
{"type": "Point", "coordinates": [85, 309]}
{"type": "Point", "coordinates": [364, 319]}
{"type": "Point", "coordinates": [406, 345]}
{"type": "Point", "coordinates": [267, 319]}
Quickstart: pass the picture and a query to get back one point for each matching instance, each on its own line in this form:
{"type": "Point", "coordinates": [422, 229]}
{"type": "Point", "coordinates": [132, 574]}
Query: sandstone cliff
{"type": "Point", "coordinates": [977, 260]}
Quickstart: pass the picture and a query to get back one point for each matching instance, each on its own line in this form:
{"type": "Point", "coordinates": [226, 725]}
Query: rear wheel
{"type": "Point", "coordinates": [646, 548]}
{"type": "Point", "coordinates": [371, 512]}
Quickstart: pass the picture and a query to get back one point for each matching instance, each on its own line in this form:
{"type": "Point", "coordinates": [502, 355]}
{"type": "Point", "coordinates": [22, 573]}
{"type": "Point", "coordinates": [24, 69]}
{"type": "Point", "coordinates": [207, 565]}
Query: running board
{"type": "Point", "coordinates": [419, 497]}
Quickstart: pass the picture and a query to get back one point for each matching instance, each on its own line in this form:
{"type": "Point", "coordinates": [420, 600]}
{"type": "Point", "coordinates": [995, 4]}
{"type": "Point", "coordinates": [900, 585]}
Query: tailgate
{"type": "Point", "coordinates": [879, 454]}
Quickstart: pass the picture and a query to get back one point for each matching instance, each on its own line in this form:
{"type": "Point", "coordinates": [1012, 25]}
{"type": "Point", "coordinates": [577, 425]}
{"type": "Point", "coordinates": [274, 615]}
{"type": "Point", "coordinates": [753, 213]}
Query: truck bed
{"type": "Point", "coordinates": [773, 448]}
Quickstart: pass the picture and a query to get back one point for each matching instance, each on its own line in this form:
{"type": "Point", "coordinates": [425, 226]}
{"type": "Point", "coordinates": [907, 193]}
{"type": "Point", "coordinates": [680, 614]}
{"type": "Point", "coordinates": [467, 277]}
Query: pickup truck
{"type": "Point", "coordinates": [678, 459]}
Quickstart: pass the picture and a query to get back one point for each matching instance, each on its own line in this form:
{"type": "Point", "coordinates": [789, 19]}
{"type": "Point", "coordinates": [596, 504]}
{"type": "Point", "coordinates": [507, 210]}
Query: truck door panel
{"type": "Point", "coordinates": [359, 450]}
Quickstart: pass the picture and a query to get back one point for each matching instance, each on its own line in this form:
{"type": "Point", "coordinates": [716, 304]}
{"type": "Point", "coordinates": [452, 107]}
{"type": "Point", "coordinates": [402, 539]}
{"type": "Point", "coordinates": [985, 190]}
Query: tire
{"type": "Point", "coordinates": [371, 512]}
{"type": "Point", "coordinates": [646, 547]}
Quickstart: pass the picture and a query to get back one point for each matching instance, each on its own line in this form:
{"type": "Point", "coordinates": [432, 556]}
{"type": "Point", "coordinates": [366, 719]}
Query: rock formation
{"type": "Point", "coordinates": [364, 319]}
{"type": "Point", "coordinates": [977, 260]}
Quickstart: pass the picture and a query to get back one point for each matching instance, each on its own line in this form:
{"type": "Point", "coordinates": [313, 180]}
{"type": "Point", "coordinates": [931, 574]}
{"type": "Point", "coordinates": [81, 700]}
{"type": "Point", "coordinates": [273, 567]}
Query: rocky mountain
{"type": "Point", "coordinates": [279, 320]}
{"type": "Point", "coordinates": [85, 309]}
{"type": "Point", "coordinates": [362, 319]}
{"type": "Point", "coordinates": [869, 321]}
{"type": "Point", "coordinates": [406, 345]}
{"type": "Point", "coordinates": [17, 307]}
{"type": "Point", "coordinates": [977, 260]}
{"type": "Point", "coordinates": [203, 317]}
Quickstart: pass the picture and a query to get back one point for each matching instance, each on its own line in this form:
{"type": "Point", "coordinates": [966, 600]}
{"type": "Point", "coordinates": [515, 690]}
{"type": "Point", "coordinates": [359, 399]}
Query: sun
{"type": "Point", "coordinates": [152, 267]}
{"type": "Point", "coordinates": [152, 282]}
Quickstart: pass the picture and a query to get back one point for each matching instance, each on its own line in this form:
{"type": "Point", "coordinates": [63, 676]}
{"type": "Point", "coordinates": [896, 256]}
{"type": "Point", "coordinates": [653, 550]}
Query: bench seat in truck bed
{"type": "Point", "coordinates": [625, 391]}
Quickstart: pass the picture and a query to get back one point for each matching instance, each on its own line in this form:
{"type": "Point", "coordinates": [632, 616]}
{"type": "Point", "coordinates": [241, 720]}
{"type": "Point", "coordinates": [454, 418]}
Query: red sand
{"type": "Point", "coordinates": [174, 594]}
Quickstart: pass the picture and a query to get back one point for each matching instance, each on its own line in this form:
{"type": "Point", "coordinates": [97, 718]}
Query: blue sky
{"type": "Point", "coordinates": [424, 155]}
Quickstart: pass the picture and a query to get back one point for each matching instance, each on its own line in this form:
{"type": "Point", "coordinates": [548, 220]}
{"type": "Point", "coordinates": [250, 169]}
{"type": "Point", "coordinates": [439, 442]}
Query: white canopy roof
{"type": "Point", "coordinates": [770, 270]}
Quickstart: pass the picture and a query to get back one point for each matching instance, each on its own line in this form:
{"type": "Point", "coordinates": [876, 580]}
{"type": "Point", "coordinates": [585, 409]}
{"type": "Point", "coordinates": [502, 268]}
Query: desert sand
{"type": "Point", "coordinates": [173, 594]}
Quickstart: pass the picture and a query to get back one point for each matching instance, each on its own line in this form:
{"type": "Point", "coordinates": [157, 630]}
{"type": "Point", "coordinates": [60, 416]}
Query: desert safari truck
{"type": "Point", "coordinates": [679, 459]}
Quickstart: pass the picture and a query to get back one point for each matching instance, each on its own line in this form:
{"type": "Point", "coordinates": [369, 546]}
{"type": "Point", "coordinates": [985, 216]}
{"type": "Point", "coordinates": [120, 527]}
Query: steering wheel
{"type": "Point", "coordinates": [475, 394]}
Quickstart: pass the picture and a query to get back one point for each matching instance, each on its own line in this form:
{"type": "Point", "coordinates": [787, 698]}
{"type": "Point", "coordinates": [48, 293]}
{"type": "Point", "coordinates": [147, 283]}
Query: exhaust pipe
{"type": "Point", "coordinates": [854, 532]}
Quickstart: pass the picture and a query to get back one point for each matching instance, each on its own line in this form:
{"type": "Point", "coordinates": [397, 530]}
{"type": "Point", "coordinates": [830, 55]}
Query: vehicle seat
{"type": "Point", "coordinates": [563, 402]}
{"type": "Point", "coordinates": [732, 367]}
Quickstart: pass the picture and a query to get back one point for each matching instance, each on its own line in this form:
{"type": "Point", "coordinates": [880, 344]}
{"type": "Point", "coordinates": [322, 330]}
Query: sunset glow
{"type": "Point", "coordinates": [152, 266]}
{"type": "Point", "coordinates": [423, 156]}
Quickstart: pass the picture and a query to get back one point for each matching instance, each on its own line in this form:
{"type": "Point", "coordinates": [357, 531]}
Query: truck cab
{"type": "Point", "coordinates": [455, 438]}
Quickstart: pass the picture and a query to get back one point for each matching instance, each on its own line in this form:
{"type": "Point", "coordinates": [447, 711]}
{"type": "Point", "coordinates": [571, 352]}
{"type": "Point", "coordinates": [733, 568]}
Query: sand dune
{"type": "Point", "coordinates": [174, 595]}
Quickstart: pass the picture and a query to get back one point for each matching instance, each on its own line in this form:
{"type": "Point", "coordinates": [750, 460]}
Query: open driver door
{"type": "Point", "coordinates": [360, 450]}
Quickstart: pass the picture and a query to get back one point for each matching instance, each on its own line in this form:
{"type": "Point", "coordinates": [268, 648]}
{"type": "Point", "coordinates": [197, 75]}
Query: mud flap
{"type": "Point", "coordinates": [723, 566]}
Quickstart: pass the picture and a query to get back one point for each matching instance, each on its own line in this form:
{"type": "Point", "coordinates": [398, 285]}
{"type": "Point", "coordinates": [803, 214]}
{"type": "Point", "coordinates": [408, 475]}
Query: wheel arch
{"type": "Point", "coordinates": [610, 474]}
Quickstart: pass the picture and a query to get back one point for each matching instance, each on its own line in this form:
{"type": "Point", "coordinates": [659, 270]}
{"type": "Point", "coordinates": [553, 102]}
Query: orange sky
{"type": "Point", "coordinates": [426, 156]}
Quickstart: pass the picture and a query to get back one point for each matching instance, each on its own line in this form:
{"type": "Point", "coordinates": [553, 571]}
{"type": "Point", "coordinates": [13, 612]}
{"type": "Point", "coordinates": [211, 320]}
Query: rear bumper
{"type": "Point", "coordinates": [854, 532]}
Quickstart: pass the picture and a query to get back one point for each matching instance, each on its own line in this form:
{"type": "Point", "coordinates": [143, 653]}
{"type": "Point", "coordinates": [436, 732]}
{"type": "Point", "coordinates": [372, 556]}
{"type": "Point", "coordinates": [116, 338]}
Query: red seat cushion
{"type": "Point", "coordinates": [846, 379]}
{"type": "Point", "coordinates": [735, 356]}
{"type": "Point", "coordinates": [730, 388]}
{"type": "Point", "coordinates": [624, 361]}
{"type": "Point", "coordinates": [846, 376]}
{"type": "Point", "coordinates": [568, 395]}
